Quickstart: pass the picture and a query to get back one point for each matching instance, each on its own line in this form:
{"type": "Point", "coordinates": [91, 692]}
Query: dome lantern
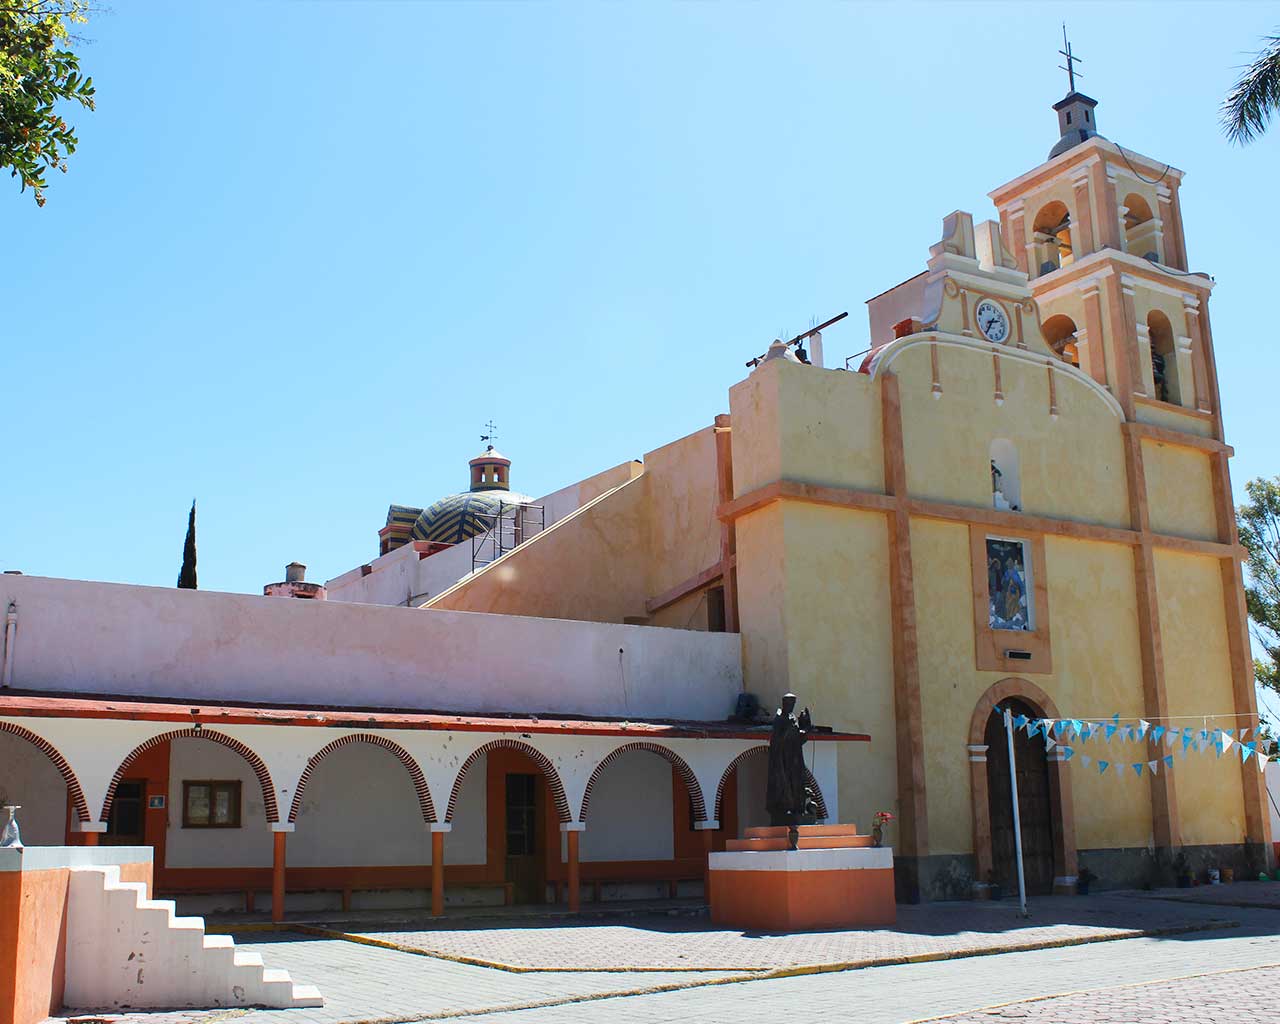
{"type": "Point", "coordinates": [490, 471]}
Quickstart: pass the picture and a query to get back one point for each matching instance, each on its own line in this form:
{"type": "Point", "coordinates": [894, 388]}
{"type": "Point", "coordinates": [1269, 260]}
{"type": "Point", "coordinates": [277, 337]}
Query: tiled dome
{"type": "Point", "coordinates": [458, 517]}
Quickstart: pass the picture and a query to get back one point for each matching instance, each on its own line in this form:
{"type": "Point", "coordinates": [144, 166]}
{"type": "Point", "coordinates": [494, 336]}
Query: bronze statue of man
{"type": "Point", "coordinates": [788, 799]}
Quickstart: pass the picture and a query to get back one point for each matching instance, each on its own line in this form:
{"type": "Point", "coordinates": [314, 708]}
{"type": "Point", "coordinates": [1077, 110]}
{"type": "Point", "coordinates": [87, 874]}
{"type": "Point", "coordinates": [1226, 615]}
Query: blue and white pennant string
{"type": "Point", "coordinates": [1172, 739]}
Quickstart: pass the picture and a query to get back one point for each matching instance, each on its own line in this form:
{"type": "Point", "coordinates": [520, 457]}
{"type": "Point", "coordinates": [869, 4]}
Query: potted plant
{"type": "Point", "coordinates": [882, 818]}
{"type": "Point", "coordinates": [1084, 879]}
{"type": "Point", "coordinates": [1182, 869]}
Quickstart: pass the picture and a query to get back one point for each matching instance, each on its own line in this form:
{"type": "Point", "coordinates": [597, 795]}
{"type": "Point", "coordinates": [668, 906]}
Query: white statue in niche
{"type": "Point", "coordinates": [998, 498]}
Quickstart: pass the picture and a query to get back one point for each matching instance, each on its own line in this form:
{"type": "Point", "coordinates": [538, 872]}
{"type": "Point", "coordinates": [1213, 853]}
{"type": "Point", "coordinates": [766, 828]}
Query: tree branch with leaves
{"type": "Point", "coordinates": [38, 72]}
{"type": "Point", "coordinates": [1259, 523]}
{"type": "Point", "coordinates": [1255, 97]}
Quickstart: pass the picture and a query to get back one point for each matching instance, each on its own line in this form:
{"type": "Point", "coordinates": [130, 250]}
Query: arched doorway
{"type": "Point", "coordinates": [1044, 794]}
{"type": "Point", "coordinates": [524, 801]}
{"type": "Point", "coordinates": [1034, 805]}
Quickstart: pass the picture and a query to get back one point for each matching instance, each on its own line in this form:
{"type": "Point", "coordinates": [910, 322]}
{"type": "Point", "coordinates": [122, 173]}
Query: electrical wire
{"type": "Point", "coordinates": [1138, 174]}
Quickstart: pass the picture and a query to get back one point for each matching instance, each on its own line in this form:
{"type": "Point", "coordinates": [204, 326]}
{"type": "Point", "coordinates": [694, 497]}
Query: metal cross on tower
{"type": "Point", "coordinates": [1072, 61]}
{"type": "Point", "coordinates": [493, 432]}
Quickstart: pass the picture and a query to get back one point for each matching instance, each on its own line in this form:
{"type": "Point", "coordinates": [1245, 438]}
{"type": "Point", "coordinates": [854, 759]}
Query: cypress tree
{"type": "Point", "coordinates": [187, 576]}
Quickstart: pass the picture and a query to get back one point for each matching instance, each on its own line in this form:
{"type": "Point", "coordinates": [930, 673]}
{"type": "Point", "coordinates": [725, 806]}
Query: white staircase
{"type": "Point", "coordinates": [124, 950]}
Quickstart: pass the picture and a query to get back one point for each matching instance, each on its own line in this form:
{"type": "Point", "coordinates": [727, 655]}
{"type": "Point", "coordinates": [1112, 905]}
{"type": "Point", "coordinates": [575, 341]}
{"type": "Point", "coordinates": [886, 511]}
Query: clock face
{"type": "Point", "coordinates": [992, 321]}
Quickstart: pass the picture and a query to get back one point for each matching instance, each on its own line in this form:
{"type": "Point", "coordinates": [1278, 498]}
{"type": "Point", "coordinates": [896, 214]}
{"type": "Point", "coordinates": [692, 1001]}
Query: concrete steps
{"type": "Point", "coordinates": [811, 837]}
{"type": "Point", "coordinates": [124, 950]}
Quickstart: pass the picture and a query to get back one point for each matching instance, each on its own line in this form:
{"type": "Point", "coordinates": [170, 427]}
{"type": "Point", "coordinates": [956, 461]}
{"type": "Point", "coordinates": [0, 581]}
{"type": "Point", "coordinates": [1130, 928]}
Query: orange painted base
{"type": "Point", "coordinates": [790, 901]}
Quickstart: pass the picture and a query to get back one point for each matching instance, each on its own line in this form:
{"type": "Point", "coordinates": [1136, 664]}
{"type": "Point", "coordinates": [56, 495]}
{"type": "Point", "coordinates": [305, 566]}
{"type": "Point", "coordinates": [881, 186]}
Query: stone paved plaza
{"type": "Point", "coordinates": [655, 942]}
{"type": "Point", "coordinates": [1209, 963]}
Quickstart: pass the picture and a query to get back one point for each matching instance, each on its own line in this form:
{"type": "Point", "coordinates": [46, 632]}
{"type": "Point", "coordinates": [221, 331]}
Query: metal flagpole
{"type": "Point", "coordinates": [1017, 819]}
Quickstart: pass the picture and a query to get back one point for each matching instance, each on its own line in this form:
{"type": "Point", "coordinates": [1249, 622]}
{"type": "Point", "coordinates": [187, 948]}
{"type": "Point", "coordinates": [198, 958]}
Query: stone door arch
{"type": "Point", "coordinates": [1061, 809]}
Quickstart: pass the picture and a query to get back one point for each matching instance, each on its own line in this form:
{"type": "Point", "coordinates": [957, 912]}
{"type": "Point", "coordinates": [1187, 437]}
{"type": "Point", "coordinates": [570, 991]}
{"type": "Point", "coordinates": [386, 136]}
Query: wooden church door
{"type": "Point", "coordinates": [1034, 807]}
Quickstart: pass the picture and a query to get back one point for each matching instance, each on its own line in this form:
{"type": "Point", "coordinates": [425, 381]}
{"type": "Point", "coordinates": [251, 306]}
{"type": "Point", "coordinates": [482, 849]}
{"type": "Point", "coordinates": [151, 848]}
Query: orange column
{"type": "Point", "coordinates": [573, 830]}
{"type": "Point", "coordinates": [280, 834]}
{"type": "Point", "coordinates": [438, 829]}
{"type": "Point", "coordinates": [708, 830]}
{"type": "Point", "coordinates": [85, 833]}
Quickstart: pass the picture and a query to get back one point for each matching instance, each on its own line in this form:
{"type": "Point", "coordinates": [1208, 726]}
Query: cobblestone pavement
{"type": "Point", "coordinates": [953, 990]}
{"type": "Point", "coordinates": [365, 983]}
{"type": "Point", "coordinates": [658, 942]}
{"type": "Point", "coordinates": [1228, 996]}
{"type": "Point", "coordinates": [372, 984]}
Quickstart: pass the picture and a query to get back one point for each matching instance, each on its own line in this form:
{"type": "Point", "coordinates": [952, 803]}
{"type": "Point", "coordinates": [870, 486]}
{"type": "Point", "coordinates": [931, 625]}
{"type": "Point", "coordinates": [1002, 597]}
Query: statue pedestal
{"type": "Point", "coordinates": [836, 879]}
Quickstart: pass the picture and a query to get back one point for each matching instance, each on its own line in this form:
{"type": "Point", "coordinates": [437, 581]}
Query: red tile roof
{"type": "Point", "coordinates": [80, 706]}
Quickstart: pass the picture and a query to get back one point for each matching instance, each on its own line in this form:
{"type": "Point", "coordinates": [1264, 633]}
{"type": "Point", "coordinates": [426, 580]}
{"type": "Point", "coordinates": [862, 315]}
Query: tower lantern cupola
{"type": "Point", "coordinates": [1076, 120]}
{"type": "Point", "coordinates": [490, 471]}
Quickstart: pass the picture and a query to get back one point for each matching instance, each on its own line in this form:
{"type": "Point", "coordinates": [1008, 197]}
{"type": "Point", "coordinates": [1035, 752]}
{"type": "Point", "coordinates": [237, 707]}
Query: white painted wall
{"type": "Point", "coordinates": [29, 778]}
{"type": "Point", "coordinates": [466, 843]}
{"type": "Point", "coordinates": [250, 845]}
{"type": "Point", "coordinates": [74, 636]}
{"type": "Point", "coordinates": [753, 773]}
{"type": "Point", "coordinates": [630, 813]}
{"type": "Point", "coordinates": [359, 808]}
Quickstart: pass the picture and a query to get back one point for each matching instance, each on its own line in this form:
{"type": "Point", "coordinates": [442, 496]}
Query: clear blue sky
{"type": "Point", "coordinates": [306, 249]}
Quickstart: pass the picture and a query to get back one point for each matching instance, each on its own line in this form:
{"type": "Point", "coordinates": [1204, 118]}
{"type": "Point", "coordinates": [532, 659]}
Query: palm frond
{"type": "Point", "coordinates": [1255, 97]}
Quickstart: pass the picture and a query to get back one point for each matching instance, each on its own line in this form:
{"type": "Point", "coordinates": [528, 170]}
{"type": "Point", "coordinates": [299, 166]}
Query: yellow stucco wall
{"type": "Point", "coordinates": [588, 566]}
{"type": "Point", "coordinates": [1179, 491]}
{"type": "Point", "coordinates": [1097, 671]}
{"type": "Point", "coordinates": [1198, 681]}
{"type": "Point", "coordinates": [762, 601]}
{"type": "Point", "coordinates": [684, 534]}
{"type": "Point", "coordinates": [840, 650]}
{"type": "Point", "coordinates": [1071, 467]}
{"type": "Point", "coordinates": [602, 562]}
{"type": "Point", "coordinates": [800, 423]}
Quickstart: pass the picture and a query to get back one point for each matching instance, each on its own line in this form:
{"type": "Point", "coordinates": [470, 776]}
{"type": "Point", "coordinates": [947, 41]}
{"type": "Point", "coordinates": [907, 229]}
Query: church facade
{"type": "Point", "coordinates": [1018, 497]}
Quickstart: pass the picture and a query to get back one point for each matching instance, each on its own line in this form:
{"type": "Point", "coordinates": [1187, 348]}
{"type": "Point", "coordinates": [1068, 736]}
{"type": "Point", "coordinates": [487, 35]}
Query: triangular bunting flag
{"type": "Point", "coordinates": [1019, 721]}
{"type": "Point", "coordinates": [1244, 733]}
{"type": "Point", "coordinates": [1103, 766]}
{"type": "Point", "coordinates": [1143, 726]}
{"type": "Point", "coordinates": [1067, 753]}
{"type": "Point", "coordinates": [1168, 760]}
{"type": "Point", "coordinates": [1224, 744]}
{"type": "Point", "coordinates": [1157, 731]}
{"type": "Point", "coordinates": [1086, 760]}
{"type": "Point", "coordinates": [1049, 744]}
{"type": "Point", "coordinates": [1186, 739]}
{"type": "Point", "coordinates": [1060, 727]}
{"type": "Point", "coordinates": [1153, 767]}
{"type": "Point", "coordinates": [1111, 731]}
{"type": "Point", "coordinates": [1137, 768]}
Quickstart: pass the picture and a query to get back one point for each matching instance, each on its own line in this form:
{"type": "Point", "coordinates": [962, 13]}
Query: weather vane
{"type": "Point", "coordinates": [1072, 61]}
{"type": "Point", "coordinates": [493, 432]}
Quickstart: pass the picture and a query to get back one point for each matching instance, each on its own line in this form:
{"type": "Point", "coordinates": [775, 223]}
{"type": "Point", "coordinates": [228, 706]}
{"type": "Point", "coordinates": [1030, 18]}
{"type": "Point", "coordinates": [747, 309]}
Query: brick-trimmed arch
{"type": "Point", "coordinates": [761, 751]}
{"type": "Point", "coordinates": [537, 756]}
{"type": "Point", "coordinates": [677, 763]}
{"type": "Point", "coordinates": [255, 762]}
{"type": "Point", "coordinates": [52, 753]}
{"type": "Point", "coordinates": [402, 755]}
{"type": "Point", "coordinates": [1061, 806]}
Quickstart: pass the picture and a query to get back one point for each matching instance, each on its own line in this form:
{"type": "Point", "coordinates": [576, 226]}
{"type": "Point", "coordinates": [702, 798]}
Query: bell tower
{"type": "Point", "coordinates": [1097, 229]}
